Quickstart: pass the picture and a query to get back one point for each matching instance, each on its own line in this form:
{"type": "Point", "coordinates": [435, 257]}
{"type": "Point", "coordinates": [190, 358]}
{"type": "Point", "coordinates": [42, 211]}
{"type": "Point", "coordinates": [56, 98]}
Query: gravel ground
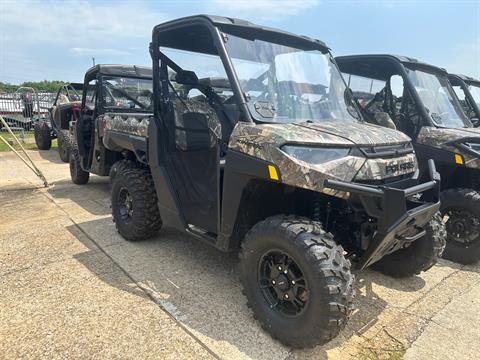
{"type": "Point", "coordinates": [70, 286]}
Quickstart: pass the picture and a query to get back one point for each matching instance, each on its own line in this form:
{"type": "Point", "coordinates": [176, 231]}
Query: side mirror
{"type": "Point", "coordinates": [383, 119]}
{"type": "Point", "coordinates": [192, 132]}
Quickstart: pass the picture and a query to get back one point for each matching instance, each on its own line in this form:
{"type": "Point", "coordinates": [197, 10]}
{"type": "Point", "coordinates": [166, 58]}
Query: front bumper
{"type": "Point", "coordinates": [396, 211]}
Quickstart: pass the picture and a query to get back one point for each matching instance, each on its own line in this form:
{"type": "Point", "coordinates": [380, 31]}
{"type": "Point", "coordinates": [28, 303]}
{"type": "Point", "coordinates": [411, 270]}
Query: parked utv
{"type": "Point", "coordinates": [468, 93]}
{"type": "Point", "coordinates": [256, 146]}
{"type": "Point", "coordinates": [418, 99]}
{"type": "Point", "coordinates": [56, 125]}
{"type": "Point", "coordinates": [117, 99]}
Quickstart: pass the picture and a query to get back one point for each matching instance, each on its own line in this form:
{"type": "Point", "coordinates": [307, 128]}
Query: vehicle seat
{"type": "Point", "coordinates": [184, 106]}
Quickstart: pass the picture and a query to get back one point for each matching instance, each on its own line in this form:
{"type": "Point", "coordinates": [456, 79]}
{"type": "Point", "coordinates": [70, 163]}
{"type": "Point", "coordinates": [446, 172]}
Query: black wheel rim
{"type": "Point", "coordinates": [125, 204]}
{"type": "Point", "coordinates": [282, 283]}
{"type": "Point", "coordinates": [463, 227]}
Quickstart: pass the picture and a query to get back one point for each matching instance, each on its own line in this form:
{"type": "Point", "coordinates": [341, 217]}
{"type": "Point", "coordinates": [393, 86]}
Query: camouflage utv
{"type": "Point", "coordinates": [63, 110]}
{"type": "Point", "coordinates": [468, 93]}
{"type": "Point", "coordinates": [114, 97]}
{"type": "Point", "coordinates": [255, 146]}
{"type": "Point", "coordinates": [417, 98]}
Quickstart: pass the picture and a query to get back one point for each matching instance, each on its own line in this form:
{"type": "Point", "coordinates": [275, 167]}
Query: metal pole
{"type": "Point", "coordinates": [32, 164]}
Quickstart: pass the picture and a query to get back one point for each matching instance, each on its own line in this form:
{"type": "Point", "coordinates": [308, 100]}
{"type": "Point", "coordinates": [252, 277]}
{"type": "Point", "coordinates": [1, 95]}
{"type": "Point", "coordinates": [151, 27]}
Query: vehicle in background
{"type": "Point", "coordinates": [468, 93]}
{"type": "Point", "coordinates": [255, 146]}
{"type": "Point", "coordinates": [24, 107]}
{"type": "Point", "coordinates": [116, 99]}
{"type": "Point", "coordinates": [56, 125]}
{"type": "Point", "coordinates": [417, 98]}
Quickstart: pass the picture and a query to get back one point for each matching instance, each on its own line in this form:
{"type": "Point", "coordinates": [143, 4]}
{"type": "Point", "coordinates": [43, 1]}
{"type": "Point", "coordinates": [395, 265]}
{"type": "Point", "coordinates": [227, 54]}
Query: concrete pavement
{"type": "Point", "coordinates": [63, 263]}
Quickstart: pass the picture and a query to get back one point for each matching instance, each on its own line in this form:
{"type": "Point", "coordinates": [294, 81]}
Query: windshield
{"type": "Point", "coordinates": [475, 92]}
{"type": "Point", "coordinates": [438, 99]}
{"type": "Point", "coordinates": [286, 84]}
{"type": "Point", "coordinates": [123, 93]}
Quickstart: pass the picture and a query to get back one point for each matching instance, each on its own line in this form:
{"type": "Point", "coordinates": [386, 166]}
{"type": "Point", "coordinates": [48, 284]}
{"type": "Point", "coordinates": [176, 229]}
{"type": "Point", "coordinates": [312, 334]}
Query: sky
{"type": "Point", "coordinates": [56, 40]}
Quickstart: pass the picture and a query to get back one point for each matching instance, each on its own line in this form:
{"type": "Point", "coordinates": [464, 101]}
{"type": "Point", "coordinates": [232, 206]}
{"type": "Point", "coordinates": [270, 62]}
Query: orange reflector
{"type": "Point", "coordinates": [272, 172]}
{"type": "Point", "coordinates": [458, 159]}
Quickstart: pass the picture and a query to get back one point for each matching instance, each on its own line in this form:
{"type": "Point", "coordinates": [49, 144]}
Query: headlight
{"type": "Point", "coordinates": [314, 155]}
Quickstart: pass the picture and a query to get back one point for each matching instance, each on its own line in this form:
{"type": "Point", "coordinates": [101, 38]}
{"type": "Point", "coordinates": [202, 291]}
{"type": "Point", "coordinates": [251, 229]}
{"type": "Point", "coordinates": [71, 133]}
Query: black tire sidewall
{"type": "Point", "coordinates": [469, 200]}
{"type": "Point", "coordinates": [145, 220]}
{"type": "Point", "coordinates": [77, 174]}
{"type": "Point", "coordinates": [123, 226]}
{"type": "Point", "coordinates": [317, 302]}
{"type": "Point", "coordinates": [64, 147]}
{"type": "Point", "coordinates": [326, 312]}
{"type": "Point", "coordinates": [43, 138]}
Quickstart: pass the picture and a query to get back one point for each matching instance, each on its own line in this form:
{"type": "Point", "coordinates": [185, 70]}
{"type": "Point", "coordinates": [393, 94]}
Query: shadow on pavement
{"type": "Point", "coordinates": [199, 286]}
{"type": "Point", "coordinates": [93, 197]}
{"type": "Point", "coordinates": [51, 155]}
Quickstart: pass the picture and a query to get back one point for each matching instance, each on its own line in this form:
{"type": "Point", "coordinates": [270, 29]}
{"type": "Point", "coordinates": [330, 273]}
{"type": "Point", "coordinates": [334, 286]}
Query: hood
{"type": "Point", "coordinates": [433, 136]}
{"type": "Point", "coordinates": [357, 133]}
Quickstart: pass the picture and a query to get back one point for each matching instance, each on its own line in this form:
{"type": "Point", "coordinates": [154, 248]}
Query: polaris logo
{"type": "Point", "coordinates": [399, 167]}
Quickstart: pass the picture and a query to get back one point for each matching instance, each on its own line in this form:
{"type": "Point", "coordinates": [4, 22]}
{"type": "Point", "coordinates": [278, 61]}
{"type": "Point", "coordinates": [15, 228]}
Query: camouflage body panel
{"type": "Point", "coordinates": [264, 142]}
{"type": "Point", "coordinates": [440, 137]}
{"type": "Point", "coordinates": [359, 133]}
{"type": "Point", "coordinates": [134, 124]}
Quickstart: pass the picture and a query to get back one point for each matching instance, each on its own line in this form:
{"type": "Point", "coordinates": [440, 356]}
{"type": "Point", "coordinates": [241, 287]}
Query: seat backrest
{"type": "Point", "coordinates": [184, 106]}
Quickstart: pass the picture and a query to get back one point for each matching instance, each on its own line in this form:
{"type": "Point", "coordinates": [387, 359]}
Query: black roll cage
{"type": "Point", "coordinates": [216, 26]}
{"type": "Point", "coordinates": [73, 86]}
{"type": "Point", "coordinates": [99, 71]}
{"type": "Point", "coordinates": [464, 82]}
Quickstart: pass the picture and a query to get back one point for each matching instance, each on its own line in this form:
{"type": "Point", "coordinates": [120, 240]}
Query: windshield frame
{"type": "Point", "coordinates": [420, 103]}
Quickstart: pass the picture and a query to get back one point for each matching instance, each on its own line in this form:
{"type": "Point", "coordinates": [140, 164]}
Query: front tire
{"type": "Point", "coordinates": [462, 208]}
{"type": "Point", "coordinates": [64, 145]}
{"type": "Point", "coordinates": [120, 166]}
{"type": "Point", "coordinates": [134, 204]}
{"type": "Point", "coordinates": [43, 137]}
{"type": "Point", "coordinates": [420, 256]}
{"type": "Point", "coordinates": [296, 280]}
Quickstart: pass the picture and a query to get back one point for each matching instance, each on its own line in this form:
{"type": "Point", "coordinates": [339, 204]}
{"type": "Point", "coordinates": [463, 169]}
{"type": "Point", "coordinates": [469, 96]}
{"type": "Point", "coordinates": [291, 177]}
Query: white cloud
{"type": "Point", "coordinates": [263, 9]}
{"type": "Point", "coordinates": [55, 39]}
{"type": "Point", "coordinates": [97, 52]}
{"type": "Point", "coordinates": [63, 22]}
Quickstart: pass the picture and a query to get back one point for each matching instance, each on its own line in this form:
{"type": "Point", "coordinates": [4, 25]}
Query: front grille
{"type": "Point", "coordinates": [386, 151]}
{"type": "Point", "coordinates": [385, 181]}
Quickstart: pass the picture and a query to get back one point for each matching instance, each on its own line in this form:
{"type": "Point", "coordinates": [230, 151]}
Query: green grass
{"type": "Point", "coordinates": [28, 144]}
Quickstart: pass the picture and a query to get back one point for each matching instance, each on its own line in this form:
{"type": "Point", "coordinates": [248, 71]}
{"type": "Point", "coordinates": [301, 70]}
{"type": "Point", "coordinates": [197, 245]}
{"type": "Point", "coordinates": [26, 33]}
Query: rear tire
{"type": "Point", "coordinates": [462, 206]}
{"type": "Point", "coordinates": [419, 256]}
{"type": "Point", "coordinates": [64, 145]}
{"type": "Point", "coordinates": [43, 136]}
{"type": "Point", "coordinates": [326, 300]}
{"type": "Point", "coordinates": [77, 174]}
{"type": "Point", "coordinates": [134, 204]}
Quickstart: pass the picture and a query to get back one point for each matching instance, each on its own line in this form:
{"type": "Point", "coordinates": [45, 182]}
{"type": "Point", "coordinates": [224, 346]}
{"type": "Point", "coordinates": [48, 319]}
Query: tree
{"type": "Point", "coordinates": [40, 86]}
